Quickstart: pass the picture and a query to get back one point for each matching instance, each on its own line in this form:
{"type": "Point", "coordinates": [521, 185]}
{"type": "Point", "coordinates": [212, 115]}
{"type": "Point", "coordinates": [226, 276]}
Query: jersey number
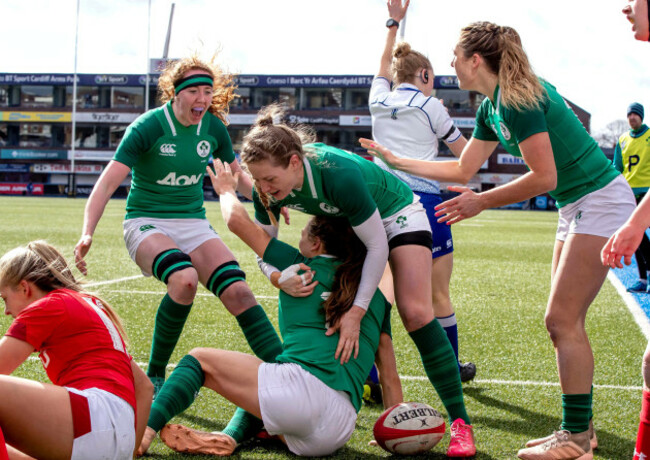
{"type": "Point", "coordinates": [112, 330]}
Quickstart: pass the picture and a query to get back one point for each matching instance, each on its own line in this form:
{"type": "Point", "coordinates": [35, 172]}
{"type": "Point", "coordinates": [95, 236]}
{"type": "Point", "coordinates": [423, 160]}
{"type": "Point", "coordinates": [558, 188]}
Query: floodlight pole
{"type": "Point", "coordinates": [169, 32]}
{"type": "Point", "coordinates": [146, 84]}
{"type": "Point", "coordinates": [72, 180]}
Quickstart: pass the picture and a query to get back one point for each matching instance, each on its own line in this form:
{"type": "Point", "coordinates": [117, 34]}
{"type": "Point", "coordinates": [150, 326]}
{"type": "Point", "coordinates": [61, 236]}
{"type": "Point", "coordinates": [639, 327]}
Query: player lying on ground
{"type": "Point", "coordinates": [90, 410]}
{"type": "Point", "coordinates": [307, 397]}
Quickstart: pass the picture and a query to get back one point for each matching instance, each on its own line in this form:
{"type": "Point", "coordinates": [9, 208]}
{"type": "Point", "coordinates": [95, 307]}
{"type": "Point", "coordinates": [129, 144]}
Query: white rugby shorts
{"type": "Point", "coordinates": [314, 419]}
{"type": "Point", "coordinates": [411, 218]}
{"type": "Point", "coordinates": [188, 234]}
{"type": "Point", "coordinates": [104, 425]}
{"type": "Point", "coordinates": [598, 213]}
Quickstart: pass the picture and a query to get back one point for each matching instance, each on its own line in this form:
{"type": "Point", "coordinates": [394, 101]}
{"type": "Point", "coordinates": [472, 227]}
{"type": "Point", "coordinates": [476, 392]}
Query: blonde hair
{"type": "Point", "coordinates": [223, 87]}
{"type": "Point", "coordinates": [406, 62]}
{"type": "Point", "coordinates": [42, 264]}
{"type": "Point", "coordinates": [502, 51]}
{"type": "Point", "coordinates": [271, 139]}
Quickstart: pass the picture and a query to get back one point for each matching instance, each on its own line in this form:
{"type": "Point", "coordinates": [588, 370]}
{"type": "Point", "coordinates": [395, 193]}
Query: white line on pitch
{"type": "Point", "coordinates": [118, 280]}
{"type": "Point", "coordinates": [198, 294]}
{"type": "Point", "coordinates": [637, 313]}
{"type": "Point", "coordinates": [476, 381]}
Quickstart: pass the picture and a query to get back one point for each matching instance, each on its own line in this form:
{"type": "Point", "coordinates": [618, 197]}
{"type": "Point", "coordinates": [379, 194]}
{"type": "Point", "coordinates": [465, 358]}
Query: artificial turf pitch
{"type": "Point", "coordinates": [499, 289]}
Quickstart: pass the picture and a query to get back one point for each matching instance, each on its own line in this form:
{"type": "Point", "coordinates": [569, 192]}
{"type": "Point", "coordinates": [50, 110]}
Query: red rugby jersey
{"type": "Point", "coordinates": [79, 345]}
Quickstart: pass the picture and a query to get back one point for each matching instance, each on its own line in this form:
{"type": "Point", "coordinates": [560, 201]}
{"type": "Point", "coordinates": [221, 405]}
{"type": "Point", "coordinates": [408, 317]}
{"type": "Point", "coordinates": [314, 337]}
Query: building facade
{"type": "Point", "coordinates": [36, 122]}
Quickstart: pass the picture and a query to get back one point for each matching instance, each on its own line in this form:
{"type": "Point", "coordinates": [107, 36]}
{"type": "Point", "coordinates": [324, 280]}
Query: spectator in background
{"type": "Point", "coordinates": [632, 158]}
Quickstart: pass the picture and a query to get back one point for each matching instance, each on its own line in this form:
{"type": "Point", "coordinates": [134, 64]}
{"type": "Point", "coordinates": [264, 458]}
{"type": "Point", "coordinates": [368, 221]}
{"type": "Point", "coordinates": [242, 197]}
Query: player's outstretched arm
{"type": "Point", "coordinates": [475, 153]}
{"type": "Point", "coordinates": [391, 386]}
{"type": "Point", "coordinates": [626, 240]}
{"type": "Point", "coordinates": [108, 182]}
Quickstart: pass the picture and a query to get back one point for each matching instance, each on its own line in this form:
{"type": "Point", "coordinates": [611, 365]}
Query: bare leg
{"type": "Point", "coordinates": [234, 376]}
{"type": "Point", "coordinates": [441, 268]}
{"type": "Point", "coordinates": [36, 418]}
{"type": "Point", "coordinates": [411, 267]}
{"type": "Point", "coordinates": [577, 278]}
{"type": "Point", "coordinates": [386, 285]}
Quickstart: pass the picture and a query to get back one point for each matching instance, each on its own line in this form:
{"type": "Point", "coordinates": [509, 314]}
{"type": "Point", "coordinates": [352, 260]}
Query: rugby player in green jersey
{"type": "Point", "coordinates": [531, 120]}
{"type": "Point", "coordinates": [307, 396]}
{"type": "Point", "coordinates": [291, 171]}
{"type": "Point", "coordinates": [627, 239]}
{"type": "Point", "coordinates": [167, 235]}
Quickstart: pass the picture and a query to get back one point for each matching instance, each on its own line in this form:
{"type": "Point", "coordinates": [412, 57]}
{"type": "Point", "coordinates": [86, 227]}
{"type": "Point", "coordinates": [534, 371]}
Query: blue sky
{"type": "Point", "coordinates": [583, 47]}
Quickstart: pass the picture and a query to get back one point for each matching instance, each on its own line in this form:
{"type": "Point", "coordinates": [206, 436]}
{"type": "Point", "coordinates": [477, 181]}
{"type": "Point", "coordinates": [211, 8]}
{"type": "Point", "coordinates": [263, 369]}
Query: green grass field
{"type": "Point", "coordinates": [499, 288]}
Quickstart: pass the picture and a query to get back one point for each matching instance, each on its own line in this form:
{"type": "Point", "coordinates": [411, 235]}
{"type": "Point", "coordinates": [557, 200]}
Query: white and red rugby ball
{"type": "Point", "coordinates": [409, 428]}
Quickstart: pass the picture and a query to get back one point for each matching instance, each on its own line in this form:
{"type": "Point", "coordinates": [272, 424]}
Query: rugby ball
{"type": "Point", "coordinates": [409, 428]}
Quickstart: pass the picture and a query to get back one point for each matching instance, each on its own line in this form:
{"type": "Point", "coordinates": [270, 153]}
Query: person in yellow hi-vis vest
{"type": "Point", "coordinates": [632, 158]}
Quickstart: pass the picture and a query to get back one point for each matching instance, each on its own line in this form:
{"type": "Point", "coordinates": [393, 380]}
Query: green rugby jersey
{"type": "Point", "coordinates": [340, 183]}
{"type": "Point", "coordinates": [302, 325]}
{"type": "Point", "coordinates": [581, 166]}
{"type": "Point", "coordinates": [168, 161]}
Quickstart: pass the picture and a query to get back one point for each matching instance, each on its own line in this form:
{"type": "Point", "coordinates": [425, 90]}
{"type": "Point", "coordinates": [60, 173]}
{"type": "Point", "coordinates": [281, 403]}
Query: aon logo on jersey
{"type": "Point", "coordinates": [171, 179]}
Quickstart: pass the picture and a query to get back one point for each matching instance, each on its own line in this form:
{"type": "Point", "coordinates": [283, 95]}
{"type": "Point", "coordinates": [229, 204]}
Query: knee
{"type": "Point", "coordinates": [559, 326]}
{"type": "Point", "coordinates": [238, 297]}
{"type": "Point", "coordinates": [415, 317]}
{"type": "Point", "coordinates": [200, 354]}
{"type": "Point", "coordinates": [183, 284]}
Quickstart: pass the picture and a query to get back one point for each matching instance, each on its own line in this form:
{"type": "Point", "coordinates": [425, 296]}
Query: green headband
{"type": "Point", "coordinates": [193, 80]}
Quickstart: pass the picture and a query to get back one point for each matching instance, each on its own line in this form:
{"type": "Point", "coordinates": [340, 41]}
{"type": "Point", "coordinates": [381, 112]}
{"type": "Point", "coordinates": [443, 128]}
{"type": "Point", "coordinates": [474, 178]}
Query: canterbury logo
{"type": "Point", "coordinates": [168, 148]}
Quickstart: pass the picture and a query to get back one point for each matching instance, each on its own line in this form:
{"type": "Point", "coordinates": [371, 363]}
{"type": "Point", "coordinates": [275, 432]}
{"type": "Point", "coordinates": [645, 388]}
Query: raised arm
{"type": "Point", "coordinates": [108, 182]}
{"type": "Point", "coordinates": [396, 11]}
{"type": "Point", "coordinates": [233, 212]}
{"type": "Point", "coordinates": [244, 182]}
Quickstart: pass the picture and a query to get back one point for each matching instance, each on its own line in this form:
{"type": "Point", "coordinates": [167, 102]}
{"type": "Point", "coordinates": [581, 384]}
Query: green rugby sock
{"type": "Point", "coordinates": [441, 367]}
{"type": "Point", "coordinates": [178, 392]}
{"type": "Point", "coordinates": [575, 412]}
{"type": "Point", "coordinates": [260, 334]}
{"type": "Point", "coordinates": [168, 326]}
{"type": "Point", "coordinates": [243, 426]}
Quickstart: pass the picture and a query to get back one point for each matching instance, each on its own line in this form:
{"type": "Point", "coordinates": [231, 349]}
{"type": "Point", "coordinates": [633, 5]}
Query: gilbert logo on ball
{"type": "Point", "coordinates": [409, 428]}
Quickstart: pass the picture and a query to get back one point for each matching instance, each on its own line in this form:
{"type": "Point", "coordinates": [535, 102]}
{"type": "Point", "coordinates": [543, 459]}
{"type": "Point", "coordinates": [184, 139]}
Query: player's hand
{"type": "Point", "coordinates": [466, 205]}
{"type": "Point", "coordinates": [298, 285]}
{"type": "Point", "coordinates": [348, 326]}
{"type": "Point", "coordinates": [377, 150]}
{"type": "Point", "coordinates": [223, 180]}
{"type": "Point", "coordinates": [285, 215]}
{"type": "Point", "coordinates": [80, 251]}
{"type": "Point", "coordinates": [396, 10]}
{"type": "Point", "coordinates": [622, 244]}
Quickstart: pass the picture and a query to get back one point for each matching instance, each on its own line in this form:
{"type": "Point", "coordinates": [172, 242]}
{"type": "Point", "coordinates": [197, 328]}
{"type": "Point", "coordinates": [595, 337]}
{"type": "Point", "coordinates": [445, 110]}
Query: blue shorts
{"type": "Point", "coordinates": [442, 241]}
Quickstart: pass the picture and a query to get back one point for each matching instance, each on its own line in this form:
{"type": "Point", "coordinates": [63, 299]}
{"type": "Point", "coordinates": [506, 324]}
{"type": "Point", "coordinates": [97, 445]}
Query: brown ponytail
{"type": "Point", "coordinates": [340, 241]}
{"type": "Point", "coordinates": [502, 51]}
